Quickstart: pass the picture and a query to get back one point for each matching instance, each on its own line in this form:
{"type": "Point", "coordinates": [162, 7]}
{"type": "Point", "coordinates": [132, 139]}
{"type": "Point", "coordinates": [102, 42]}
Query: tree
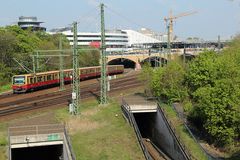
{"type": "Point", "coordinates": [146, 76]}
{"type": "Point", "coordinates": [218, 108]}
{"type": "Point", "coordinates": [202, 71]}
{"type": "Point", "coordinates": [214, 82]}
{"type": "Point", "coordinates": [167, 82]}
{"type": "Point", "coordinates": [5, 74]}
{"type": "Point", "coordinates": [89, 58]}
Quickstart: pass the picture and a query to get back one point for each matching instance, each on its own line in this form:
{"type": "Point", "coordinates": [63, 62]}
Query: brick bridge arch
{"type": "Point", "coordinates": [138, 58]}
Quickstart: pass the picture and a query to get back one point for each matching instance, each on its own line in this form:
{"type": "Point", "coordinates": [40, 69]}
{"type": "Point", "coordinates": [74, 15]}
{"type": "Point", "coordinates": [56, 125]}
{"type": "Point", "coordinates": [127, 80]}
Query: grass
{"type": "Point", "coordinates": [100, 132]}
{"type": "Point", "coordinates": [5, 88]}
{"type": "Point", "coordinates": [192, 147]}
{"type": "Point", "coordinates": [3, 141]}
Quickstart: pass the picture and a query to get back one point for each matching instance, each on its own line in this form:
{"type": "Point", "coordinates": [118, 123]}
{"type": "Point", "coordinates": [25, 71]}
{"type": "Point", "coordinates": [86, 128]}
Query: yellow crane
{"type": "Point", "coordinates": [169, 21]}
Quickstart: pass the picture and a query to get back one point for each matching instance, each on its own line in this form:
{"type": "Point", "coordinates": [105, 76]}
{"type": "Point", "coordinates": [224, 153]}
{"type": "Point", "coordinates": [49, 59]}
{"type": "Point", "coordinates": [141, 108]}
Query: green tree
{"type": "Point", "coordinates": [89, 58]}
{"type": "Point", "coordinates": [5, 74]}
{"type": "Point", "coordinates": [167, 82]}
{"type": "Point", "coordinates": [202, 71]}
{"type": "Point", "coordinates": [218, 108]}
{"type": "Point", "coordinates": [214, 82]}
{"type": "Point", "coordinates": [146, 76]}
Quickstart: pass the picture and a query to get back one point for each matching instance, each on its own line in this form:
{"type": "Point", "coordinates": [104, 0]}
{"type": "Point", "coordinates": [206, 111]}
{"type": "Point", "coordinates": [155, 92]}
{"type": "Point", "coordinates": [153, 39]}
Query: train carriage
{"type": "Point", "coordinates": [30, 82]}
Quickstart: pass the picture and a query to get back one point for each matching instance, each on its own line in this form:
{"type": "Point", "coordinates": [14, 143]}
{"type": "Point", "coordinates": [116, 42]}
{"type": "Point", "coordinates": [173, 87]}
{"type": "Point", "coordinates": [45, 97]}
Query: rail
{"type": "Point", "coordinates": [68, 140]}
{"type": "Point", "coordinates": [171, 129]}
{"type": "Point", "coordinates": [134, 125]}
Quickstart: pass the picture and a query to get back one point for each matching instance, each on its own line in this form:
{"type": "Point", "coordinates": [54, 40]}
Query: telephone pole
{"type": "Point", "coordinates": [103, 96]}
{"type": "Point", "coordinates": [75, 76]}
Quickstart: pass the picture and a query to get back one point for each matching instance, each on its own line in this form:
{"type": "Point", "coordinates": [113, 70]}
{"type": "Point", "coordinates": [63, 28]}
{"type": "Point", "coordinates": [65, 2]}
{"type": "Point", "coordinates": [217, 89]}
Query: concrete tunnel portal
{"type": "Point", "coordinates": [50, 152]}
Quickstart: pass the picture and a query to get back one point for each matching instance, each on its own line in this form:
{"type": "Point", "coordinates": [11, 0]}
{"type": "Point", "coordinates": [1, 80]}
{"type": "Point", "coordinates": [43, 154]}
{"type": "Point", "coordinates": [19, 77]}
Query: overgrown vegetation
{"type": "Point", "coordinates": [192, 147]}
{"type": "Point", "coordinates": [19, 44]}
{"type": "Point", "coordinates": [209, 88]}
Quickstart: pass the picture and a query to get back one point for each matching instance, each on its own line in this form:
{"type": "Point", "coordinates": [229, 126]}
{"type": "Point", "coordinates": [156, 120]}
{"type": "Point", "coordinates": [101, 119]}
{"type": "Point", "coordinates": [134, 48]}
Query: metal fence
{"type": "Point", "coordinates": [186, 154]}
{"type": "Point", "coordinates": [126, 110]}
{"type": "Point", "coordinates": [68, 141]}
{"type": "Point", "coordinates": [40, 133]}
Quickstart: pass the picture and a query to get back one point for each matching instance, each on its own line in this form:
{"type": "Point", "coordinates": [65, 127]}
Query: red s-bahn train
{"type": "Point", "coordinates": [30, 82]}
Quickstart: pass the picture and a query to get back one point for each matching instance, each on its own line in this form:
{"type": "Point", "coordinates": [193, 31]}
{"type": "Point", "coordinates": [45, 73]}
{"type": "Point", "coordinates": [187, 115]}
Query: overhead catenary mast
{"type": "Point", "coordinates": [103, 96]}
{"type": "Point", "coordinates": [75, 75]}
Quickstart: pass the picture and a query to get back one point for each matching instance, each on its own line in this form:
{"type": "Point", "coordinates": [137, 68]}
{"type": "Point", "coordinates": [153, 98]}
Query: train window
{"type": "Point", "coordinates": [44, 78]}
{"type": "Point", "coordinates": [83, 71]}
{"type": "Point", "coordinates": [39, 79]}
{"type": "Point", "coordinates": [31, 80]}
{"type": "Point", "coordinates": [19, 80]}
{"type": "Point", "coordinates": [49, 77]}
{"type": "Point", "coordinates": [65, 74]}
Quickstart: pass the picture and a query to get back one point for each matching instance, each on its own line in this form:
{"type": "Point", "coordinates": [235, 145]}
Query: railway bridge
{"type": "Point", "coordinates": [137, 58]}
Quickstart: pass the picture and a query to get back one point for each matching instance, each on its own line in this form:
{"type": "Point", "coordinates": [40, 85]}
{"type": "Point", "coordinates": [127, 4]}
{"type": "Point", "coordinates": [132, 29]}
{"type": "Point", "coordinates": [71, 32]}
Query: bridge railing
{"type": "Point", "coordinates": [126, 109]}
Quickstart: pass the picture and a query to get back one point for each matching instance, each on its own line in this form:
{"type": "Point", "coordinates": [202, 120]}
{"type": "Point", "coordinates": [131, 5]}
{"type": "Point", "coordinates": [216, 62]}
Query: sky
{"type": "Point", "coordinates": [213, 17]}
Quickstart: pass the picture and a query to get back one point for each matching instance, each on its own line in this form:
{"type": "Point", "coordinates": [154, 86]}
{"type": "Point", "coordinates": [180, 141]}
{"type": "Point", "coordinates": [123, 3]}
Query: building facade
{"type": "Point", "coordinates": [116, 40]}
{"type": "Point", "coordinates": [30, 22]}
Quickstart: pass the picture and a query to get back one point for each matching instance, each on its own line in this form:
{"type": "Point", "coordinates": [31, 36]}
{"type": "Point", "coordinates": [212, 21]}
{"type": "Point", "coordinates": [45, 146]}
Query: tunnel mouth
{"type": "Point", "coordinates": [122, 61]}
{"type": "Point", "coordinates": [145, 123]}
{"type": "Point", "coordinates": [50, 152]}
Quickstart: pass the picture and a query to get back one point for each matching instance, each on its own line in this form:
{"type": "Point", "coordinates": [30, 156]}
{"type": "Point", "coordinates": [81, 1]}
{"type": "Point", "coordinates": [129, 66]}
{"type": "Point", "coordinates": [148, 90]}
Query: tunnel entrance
{"type": "Point", "coordinates": [155, 61]}
{"type": "Point", "coordinates": [52, 152]}
{"type": "Point", "coordinates": [122, 61]}
{"type": "Point", "coordinates": [145, 122]}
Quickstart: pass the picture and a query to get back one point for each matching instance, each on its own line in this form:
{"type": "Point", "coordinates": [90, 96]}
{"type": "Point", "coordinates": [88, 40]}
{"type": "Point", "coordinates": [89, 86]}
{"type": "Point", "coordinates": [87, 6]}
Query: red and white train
{"type": "Point", "coordinates": [30, 82]}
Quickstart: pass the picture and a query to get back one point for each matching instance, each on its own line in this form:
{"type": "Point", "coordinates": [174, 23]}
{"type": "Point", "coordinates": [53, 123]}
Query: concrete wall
{"type": "Point", "coordinates": [164, 139]}
{"type": "Point", "coordinates": [153, 126]}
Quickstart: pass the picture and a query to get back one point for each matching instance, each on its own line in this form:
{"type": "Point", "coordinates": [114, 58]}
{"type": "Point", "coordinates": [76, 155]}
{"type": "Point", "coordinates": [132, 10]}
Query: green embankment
{"type": "Point", "coordinates": [3, 141]}
{"type": "Point", "coordinates": [191, 146]}
{"type": "Point", "coordinates": [5, 88]}
{"type": "Point", "coordinates": [101, 133]}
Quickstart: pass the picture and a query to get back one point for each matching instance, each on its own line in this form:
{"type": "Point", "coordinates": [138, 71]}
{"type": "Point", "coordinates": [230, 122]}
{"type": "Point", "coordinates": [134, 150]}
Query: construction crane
{"type": "Point", "coordinates": [169, 21]}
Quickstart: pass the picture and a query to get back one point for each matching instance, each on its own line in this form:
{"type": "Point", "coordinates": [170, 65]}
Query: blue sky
{"type": "Point", "coordinates": [214, 17]}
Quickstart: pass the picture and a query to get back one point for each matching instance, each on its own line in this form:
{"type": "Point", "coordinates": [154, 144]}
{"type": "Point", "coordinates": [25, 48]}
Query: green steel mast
{"type": "Point", "coordinates": [103, 96]}
{"type": "Point", "coordinates": [61, 64]}
{"type": "Point", "coordinates": [75, 73]}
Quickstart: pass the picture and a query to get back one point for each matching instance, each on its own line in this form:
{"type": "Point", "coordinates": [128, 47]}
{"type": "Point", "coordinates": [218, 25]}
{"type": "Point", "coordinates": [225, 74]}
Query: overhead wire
{"type": "Point", "coordinates": [125, 18]}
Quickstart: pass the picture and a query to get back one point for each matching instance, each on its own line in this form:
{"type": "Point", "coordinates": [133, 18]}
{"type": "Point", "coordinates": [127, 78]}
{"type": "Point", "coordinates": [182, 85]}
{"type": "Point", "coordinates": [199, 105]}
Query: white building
{"type": "Point", "coordinates": [153, 34]}
{"type": "Point", "coordinates": [116, 40]}
{"type": "Point", "coordinates": [136, 38]}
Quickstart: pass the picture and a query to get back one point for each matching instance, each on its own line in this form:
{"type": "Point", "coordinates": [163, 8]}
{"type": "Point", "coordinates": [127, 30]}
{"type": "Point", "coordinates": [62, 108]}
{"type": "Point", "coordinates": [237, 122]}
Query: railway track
{"type": "Point", "coordinates": [32, 102]}
{"type": "Point", "coordinates": [58, 93]}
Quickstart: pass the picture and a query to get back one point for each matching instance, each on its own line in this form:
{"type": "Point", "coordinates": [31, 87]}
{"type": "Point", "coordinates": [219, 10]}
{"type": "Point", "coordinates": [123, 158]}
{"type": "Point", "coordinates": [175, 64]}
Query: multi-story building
{"type": "Point", "coordinates": [30, 22]}
{"type": "Point", "coordinates": [116, 40]}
